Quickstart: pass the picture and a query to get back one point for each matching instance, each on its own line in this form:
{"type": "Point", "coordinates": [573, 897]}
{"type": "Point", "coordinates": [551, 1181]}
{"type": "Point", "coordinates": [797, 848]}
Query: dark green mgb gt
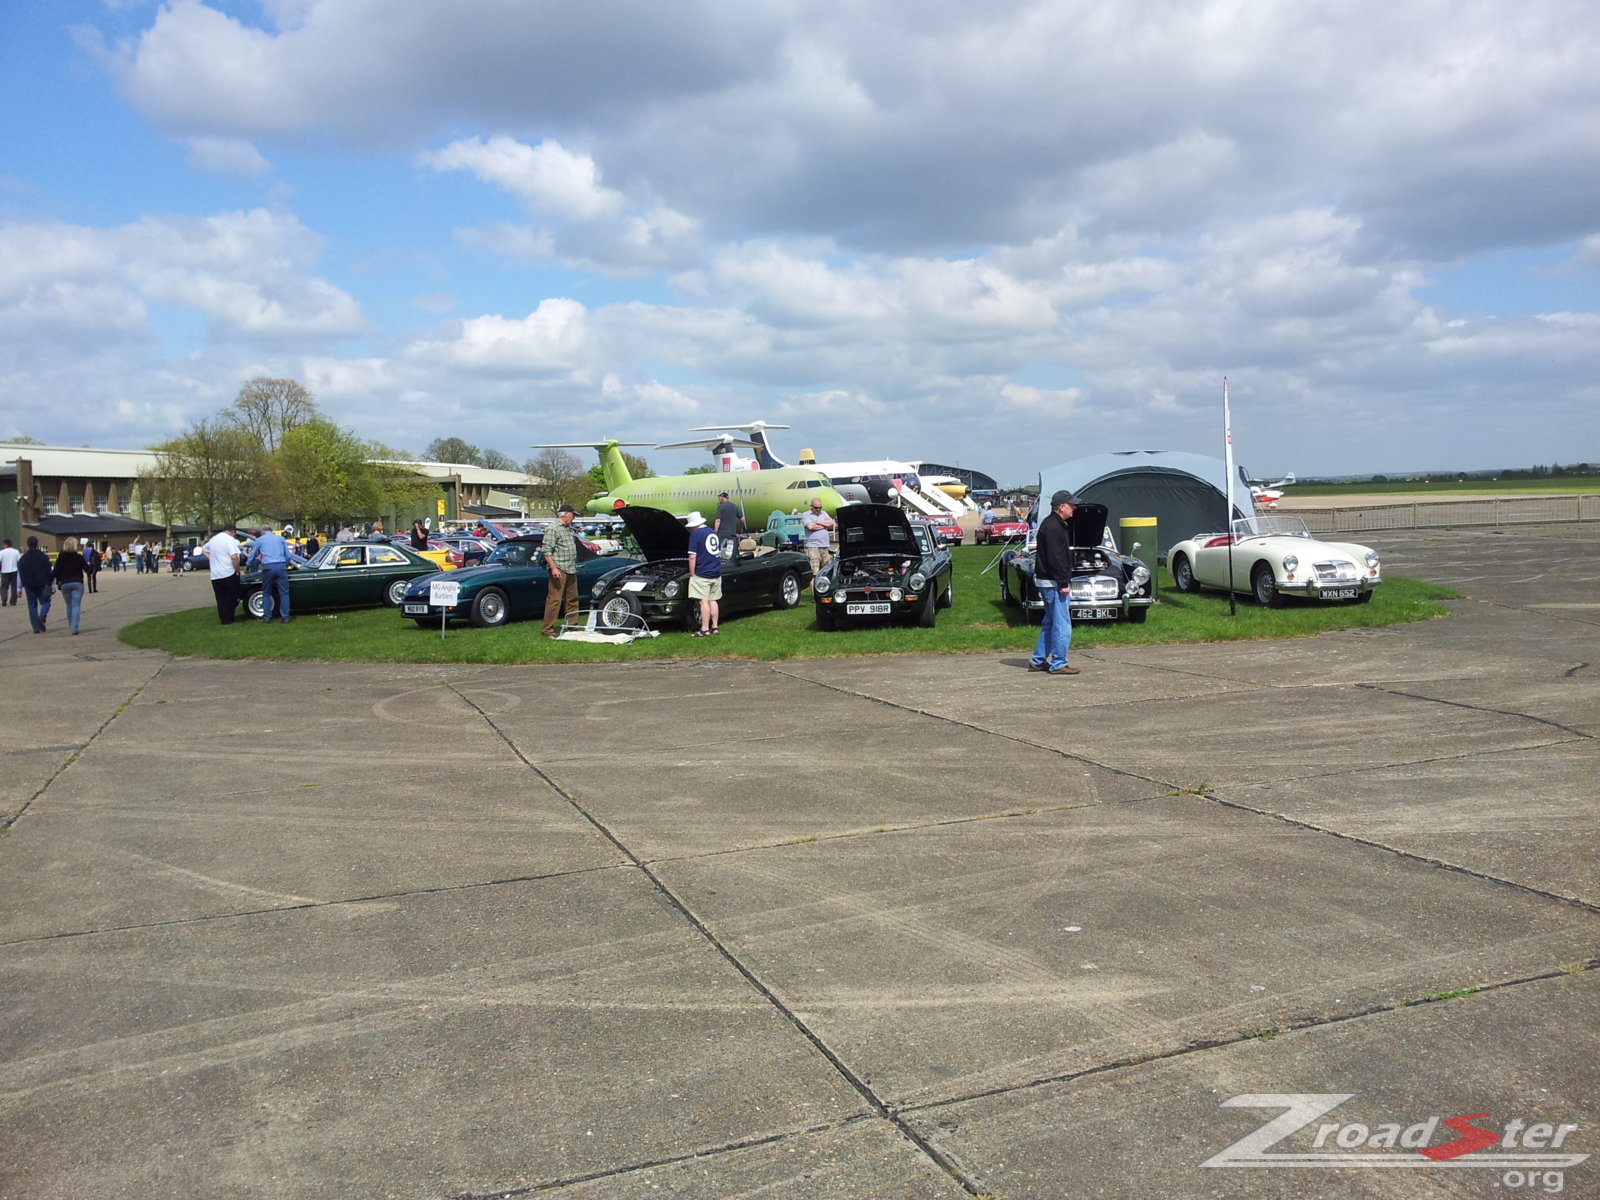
{"type": "Point", "coordinates": [347, 575]}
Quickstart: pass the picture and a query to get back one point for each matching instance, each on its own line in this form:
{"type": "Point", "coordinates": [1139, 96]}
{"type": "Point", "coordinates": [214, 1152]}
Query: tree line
{"type": "Point", "coordinates": [273, 454]}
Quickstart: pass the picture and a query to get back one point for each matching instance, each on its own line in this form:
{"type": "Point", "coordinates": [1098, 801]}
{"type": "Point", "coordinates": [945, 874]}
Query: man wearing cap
{"type": "Point", "coordinates": [1052, 575]}
{"type": "Point", "coordinates": [560, 551]}
{"type": "Point", "coordinates": [727, 525]}
{"type": "Point", "coordinates": [705, 573]}
{"type": "Point", "coordinates": [223, 553]}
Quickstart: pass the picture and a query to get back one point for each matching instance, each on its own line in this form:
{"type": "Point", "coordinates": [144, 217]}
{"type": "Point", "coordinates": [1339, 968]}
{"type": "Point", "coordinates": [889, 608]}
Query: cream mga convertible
{"type": "Point", "coordinates": [1274, 557]}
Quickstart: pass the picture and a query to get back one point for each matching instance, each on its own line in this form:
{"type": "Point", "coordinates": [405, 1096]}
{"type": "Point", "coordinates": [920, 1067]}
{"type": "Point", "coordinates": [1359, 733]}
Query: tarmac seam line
{"type": "Point", "coordinates": [873, 1100]}
{"type": "Point", "coordinates": [1499, 712]}
{"type": "Point", "coordinates": [1409, 855]}
{"type": "Point", "coordinates": [335, 903]}
{"type": "Point", "coordinates": [690, 1156]}
{"type": "Point", "coordinates": [1222, 1043]}
{"type": "Point", "coordinates": [80, 748]}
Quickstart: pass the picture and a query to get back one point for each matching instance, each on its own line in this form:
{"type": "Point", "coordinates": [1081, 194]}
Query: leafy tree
{"type": "Point", "coordinates": [708, 469]}
{"type": "Point", "coordinates": [637, 467]}
{"type": "Point", "coordinates": [453, 450]}
{"type": "Point", "coordinates": [497, 460]}
{"type": "Point", "coordinates": [560, 477]}
{"type": "Point", "coordinates": [213, 473]}
{"type": "Point", "coordinates": [22, 440]}
{"type": "Point", "coordinates": [332, 476]}
{"type": "Point", "coordinates": [269, 408]}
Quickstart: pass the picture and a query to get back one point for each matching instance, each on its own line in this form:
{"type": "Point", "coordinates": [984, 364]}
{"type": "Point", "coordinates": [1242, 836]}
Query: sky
{"type": "Point", "coordinates": [998, 235]}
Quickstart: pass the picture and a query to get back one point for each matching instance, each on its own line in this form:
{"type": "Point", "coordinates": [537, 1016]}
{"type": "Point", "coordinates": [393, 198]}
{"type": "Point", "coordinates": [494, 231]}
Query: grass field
{"type": "Point", "coordinates": [976, 623]}
{"type": "Point", "coordinates": [1563, 485]}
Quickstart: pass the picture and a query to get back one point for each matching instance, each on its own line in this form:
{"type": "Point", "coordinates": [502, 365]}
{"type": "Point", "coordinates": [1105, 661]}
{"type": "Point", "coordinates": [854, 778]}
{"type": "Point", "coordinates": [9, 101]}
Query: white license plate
{"type": "Point", "coordinates": [1340, 593]}
{"type": "Point", "coordinates": [1095, 614]}
{"type": "Point", "coordinates": [416, 610]}
{"type": "Point", "coordinates": [875, 609]}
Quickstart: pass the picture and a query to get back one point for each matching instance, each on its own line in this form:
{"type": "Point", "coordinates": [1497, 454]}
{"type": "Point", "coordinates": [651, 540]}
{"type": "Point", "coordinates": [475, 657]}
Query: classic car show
{"type": "Point", "coordinates": [345, 575]}
{"type": "Point", "coordinates": [1106, 585]}
{"type": "Point", "coordinates": [889, 568]}
{"type": "Point", "coordinates": [656, 591]}
{"type": "Point", "coordinates": [509, 585]}
{"type": "Point", "coordinates": [1272, 558]}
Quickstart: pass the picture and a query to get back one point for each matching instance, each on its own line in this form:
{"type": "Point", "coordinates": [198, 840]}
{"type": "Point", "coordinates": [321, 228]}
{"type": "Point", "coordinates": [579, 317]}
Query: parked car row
{"type": "Point", "coordinates": [889, 567]}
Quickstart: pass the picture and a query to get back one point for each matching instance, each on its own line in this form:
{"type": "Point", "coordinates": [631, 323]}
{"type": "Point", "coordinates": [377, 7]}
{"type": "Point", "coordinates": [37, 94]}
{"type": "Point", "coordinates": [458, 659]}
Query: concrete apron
{"type": "Point", "coordinates": [890, 927]}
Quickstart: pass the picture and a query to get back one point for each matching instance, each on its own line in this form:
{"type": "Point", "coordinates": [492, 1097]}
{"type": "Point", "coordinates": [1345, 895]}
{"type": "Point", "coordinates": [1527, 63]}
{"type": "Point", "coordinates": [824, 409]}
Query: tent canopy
{"type": "Point", "coordinates": [1183, 492]}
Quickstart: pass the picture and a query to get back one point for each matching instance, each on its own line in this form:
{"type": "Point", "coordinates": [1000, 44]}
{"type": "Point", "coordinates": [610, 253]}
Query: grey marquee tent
{"type": "Point", "coordinates": [1184, 492]}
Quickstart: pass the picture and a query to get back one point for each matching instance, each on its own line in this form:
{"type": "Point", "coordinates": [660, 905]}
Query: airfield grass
{"type": "Point", "coordinates": [1445, 486]}
{"type": "Point", "coordinates": [975, 623]}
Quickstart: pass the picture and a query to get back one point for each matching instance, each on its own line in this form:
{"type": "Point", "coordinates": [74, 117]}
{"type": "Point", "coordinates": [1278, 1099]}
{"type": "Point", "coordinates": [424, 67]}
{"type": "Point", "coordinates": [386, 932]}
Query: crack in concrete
{"type": "Point", "coordinates": [1499, 712]}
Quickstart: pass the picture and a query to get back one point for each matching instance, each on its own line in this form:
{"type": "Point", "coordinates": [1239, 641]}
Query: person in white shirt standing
{"type": "Point", "coordinates": [9, 555]}
{"type": "Point", "coordinates": [223, 552]}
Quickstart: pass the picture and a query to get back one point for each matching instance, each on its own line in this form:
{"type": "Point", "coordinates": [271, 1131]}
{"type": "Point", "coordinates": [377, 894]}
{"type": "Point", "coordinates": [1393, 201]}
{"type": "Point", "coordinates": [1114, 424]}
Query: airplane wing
{"type": "Point", "coordinates": [727, 442]}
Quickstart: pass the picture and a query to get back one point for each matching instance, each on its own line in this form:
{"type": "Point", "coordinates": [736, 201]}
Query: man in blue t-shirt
{"type": "Point", "coordinates": [705, 573]}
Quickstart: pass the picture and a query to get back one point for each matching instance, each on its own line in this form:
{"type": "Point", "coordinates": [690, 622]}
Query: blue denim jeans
{"type": "Point", "coordinates": [1055, 631]}
{"type": "Point", "coordinates": [72, 593]}
{"type": "Point", "coordinates": [38, 606]}
{"type": "Point", "coordinates": [274, 591]}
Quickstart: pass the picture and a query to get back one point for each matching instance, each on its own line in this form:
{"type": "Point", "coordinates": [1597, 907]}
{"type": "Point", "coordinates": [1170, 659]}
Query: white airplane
{"type": "Point", "coordinates": [876, 481]}
{"type": "Point", "coordinates": [1265, 494]}
{"type": "Point", "coordinates": [725, 447]}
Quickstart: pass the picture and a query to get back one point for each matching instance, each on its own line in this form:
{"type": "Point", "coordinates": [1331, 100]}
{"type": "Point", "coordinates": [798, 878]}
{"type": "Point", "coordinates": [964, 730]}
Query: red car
{"type": "Point", "coordinates": [947, 530]}
{"type": "Point", "coordinates": [1008, 530]}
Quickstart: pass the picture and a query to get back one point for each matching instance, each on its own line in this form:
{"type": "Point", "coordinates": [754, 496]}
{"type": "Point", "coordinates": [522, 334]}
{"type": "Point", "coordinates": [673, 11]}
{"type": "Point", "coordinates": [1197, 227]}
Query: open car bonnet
{"type": "Point", "coordinates": [659, 534]}
{"type": "Point", "coordinates": [1088, 524]}
{"type": "Point", "coordinates": [874, 529]}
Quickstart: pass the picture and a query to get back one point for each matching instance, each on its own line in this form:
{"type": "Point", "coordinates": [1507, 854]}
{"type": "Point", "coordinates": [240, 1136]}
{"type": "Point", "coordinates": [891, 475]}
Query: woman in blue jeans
{"type": "Point", "coordinates": [68, 574]}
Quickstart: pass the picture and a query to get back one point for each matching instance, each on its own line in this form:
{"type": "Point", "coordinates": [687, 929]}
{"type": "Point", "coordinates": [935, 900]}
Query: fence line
{"type": "Point", "coordinates": [1438, 514]}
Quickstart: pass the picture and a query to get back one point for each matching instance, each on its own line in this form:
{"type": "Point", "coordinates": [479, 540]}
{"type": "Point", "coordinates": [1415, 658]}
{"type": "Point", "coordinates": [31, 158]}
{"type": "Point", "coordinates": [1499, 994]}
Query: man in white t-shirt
{"type": "Point", "coordinates": [9, 555]}
{"type": "Point", "coordinates": [223, 552]}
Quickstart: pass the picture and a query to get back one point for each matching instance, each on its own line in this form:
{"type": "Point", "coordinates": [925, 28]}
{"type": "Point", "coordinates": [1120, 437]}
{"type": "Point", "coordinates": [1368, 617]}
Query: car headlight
{"type": "Point", "coordinates": [1372, 559]}
{"type": "Point", "coordinates": [1291, 563]}
{"type": "Point", "coordinates": [1140, 576]}
{"type": "Point", "coordinates": [671, 589]}
{"type": "Point", "coordinates": [896, 594]}
{"type": "Point", "coordinates": [822, 585]}
{"type": "Point", "coordinates": [917, 580]}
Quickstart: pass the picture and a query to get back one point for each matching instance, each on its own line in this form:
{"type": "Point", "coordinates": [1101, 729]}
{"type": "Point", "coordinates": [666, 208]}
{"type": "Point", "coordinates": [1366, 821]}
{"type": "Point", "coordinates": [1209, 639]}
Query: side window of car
{"type": "Point", "coordinates": [384, 556]}
{"type": "Point", "coordinates": [350, 556]}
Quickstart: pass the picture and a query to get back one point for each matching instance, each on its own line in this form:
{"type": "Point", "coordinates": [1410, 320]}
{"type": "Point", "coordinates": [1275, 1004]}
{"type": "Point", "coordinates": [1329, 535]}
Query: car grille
{"type": "Point", "coordinates": [1336, 572]}
{"type": "Point", "coordinates": [1095, 589]}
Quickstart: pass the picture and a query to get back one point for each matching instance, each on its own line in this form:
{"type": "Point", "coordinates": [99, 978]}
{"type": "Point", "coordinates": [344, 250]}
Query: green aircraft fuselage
{"type": "Point", "coordinates": [758, 494]}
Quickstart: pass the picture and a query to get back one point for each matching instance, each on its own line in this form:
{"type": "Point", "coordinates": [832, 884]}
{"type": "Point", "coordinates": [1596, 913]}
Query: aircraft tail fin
{"type": "Point", "coordinates": [764, 455]}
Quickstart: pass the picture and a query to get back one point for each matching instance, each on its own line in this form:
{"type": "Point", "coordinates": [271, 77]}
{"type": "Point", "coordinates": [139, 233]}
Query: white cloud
{"type": "Point", "coordinates": [227, 156]}
{"type": "Point", "coordinates": [547, 177]}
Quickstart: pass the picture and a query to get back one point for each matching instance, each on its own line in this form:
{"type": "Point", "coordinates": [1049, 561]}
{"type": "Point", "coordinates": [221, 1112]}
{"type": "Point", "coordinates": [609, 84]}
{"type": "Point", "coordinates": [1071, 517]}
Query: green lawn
{"type": "Point", "coordinates": [1445, 486]}
{"type": "Point", "coordinates": [977, 623]}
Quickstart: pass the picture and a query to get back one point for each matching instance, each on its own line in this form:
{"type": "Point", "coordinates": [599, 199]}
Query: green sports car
{"type": "Point", "coordinates": [509, 586]}
{"type": "Point", "coordinates": [346, 575]}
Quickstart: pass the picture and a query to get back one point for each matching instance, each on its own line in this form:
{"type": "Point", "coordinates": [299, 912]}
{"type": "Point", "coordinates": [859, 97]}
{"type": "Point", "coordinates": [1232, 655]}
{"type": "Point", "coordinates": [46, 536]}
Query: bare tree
{"type": "Point", "coordinates": [453, 450]}
{"type": "Point", "coordinates": [269, 408]}
{"type": "Point", "coordinates": [559, 477]}
{"type": "Point", "coordinates": [213, 472]}
{"type": "Point", "coordinates": [498, 460]}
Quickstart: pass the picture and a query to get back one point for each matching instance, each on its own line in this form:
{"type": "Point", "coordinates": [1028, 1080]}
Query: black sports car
{"type": "Point", "coordinates": [889, 568]}
{"type": "Point", "coordinates": [658, 589]}
{"type": "Point", "coordinates": [1107, 585]}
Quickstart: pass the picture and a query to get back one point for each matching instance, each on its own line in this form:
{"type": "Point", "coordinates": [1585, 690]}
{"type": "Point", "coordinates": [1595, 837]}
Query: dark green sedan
{"type": "Point", "coordinates": [346, 575]}
{"type": "Point", "coordinates": [509, 586]}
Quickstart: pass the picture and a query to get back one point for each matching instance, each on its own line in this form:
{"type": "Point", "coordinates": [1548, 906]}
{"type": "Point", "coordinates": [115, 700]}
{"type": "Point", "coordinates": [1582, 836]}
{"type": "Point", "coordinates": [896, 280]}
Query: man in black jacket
{"type": "Point", "coordinates": [1052, 575]}
{"type": "Point", "coordinates": [35, 575]}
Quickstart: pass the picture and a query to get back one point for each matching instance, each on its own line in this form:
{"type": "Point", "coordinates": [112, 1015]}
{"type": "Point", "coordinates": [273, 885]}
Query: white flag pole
{"type": "Point", "coordinates": [1227, 437]}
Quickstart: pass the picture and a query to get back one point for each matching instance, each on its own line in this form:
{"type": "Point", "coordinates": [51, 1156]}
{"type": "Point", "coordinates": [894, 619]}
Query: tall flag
{"type": "Point", "coordinates": [1227, 437]}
